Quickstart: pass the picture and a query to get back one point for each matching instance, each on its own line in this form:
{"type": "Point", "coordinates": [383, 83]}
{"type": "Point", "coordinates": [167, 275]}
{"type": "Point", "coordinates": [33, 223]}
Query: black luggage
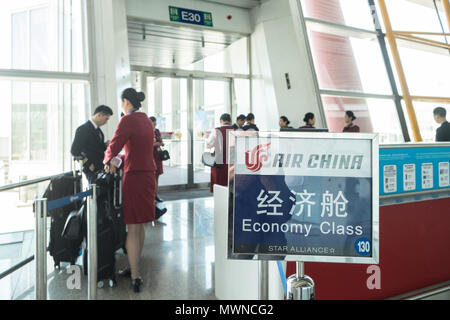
{"type": "Point", "coordinates": [111, 230]}
{"type": "Point", "coordinates": [62, 249]}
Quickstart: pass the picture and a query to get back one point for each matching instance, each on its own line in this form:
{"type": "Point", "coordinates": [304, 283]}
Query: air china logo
{"type": "Point", "coordinates": [258, 156]}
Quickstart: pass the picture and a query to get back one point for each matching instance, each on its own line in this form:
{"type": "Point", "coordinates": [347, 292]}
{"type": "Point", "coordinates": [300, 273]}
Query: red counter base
{"type": "Point", "coordinates": [414, 253]}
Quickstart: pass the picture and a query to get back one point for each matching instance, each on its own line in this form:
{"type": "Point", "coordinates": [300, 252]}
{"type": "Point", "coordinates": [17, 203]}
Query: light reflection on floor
{"type": "Point", "coordinates": [177, 262]}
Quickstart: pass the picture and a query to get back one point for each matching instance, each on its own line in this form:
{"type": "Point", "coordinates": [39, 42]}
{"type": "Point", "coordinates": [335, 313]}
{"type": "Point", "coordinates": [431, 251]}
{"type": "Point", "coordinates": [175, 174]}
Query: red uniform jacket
{"type": "Point", "coordinates": [352, 128]}
{"type": "Point", "coordinates": [135, 134]}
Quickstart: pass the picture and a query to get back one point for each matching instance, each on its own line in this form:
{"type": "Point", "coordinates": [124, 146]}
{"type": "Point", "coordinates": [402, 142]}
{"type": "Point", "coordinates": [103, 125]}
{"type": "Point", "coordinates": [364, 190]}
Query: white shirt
{"type": "Point", "coordinates": [94, 124]}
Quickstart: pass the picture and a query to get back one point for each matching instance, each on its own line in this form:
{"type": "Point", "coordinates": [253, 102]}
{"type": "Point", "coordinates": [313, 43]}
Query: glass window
{"type": "Point", "coordinates": [46, 35]}
{"type": "Point", "coordinates": [242, 96]}
{"type": "Point", "coordinates": [19, 40]}
{"type": "Point", "coordinates": [39, 39]}
{"type": "Point", "coordinates": [354, 13]}
{"type": "Point", "coordinates": [427, 70]}
{"type": "Point", "coordinates": [425, 118]}
{"type": "Point", "coordinates": [349, 63]}
{"type": "Point", "coordinates": [19, 121]}
{"type": "Point", "coordinates": [407, 15]}
{"type": "Point", "coordinates": [373, 115]}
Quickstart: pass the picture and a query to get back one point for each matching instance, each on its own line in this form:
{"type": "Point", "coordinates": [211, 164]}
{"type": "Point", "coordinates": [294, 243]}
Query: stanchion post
{"type": "Point", "coordinates": [300, 286]}
{"type": "Point", "coordinates": [41, 249]}
{"type": "Point", "coordinates": [92, 243]}
{"type": "Point", "coordinates": [263, 280]}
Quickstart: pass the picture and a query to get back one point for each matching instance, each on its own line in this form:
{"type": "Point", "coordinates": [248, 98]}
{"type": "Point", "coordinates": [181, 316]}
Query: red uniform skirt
{"type": "Point", "coordinates": [219, 176]}
{"type": "Point", "coordinates": [138, 194]}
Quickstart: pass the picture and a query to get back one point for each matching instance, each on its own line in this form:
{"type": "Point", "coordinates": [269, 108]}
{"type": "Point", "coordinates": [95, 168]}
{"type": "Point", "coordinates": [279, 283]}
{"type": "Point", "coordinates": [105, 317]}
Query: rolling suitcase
{"type": "Point", "coordinates": [62, 249]}
{"type": "Point", "coordinates": [111, 230]}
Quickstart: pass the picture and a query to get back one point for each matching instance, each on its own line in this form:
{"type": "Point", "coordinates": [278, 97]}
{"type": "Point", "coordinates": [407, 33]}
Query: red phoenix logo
{"type": "Point", "coordinates": [259, 155]}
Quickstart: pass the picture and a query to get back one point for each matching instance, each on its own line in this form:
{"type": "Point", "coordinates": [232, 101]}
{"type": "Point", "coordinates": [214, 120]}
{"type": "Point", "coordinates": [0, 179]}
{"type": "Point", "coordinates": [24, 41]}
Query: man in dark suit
{"type": "Point", "coordinates": [89, 142]}
{"type": "Point", "coordinates": [250, 126]}
{"type": "Point", "coordinates": [443, 132]}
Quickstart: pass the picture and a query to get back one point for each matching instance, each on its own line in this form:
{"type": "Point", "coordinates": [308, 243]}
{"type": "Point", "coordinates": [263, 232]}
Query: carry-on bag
{"type": "Point", "coordinates": [61, 248]}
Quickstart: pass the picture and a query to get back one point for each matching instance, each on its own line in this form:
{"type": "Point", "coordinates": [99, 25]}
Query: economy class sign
{"type": "Point", "coordinates": [305, 197]}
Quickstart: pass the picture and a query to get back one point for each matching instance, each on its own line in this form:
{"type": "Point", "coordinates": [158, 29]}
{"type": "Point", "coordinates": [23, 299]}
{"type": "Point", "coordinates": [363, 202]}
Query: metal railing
{"type": "Point", "coordinates": [20, 185]}
{"type": "Point", "coordinates": [41, 212]}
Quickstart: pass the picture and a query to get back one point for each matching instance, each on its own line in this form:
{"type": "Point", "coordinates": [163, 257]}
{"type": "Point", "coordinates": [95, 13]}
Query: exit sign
{"type": "Point", "coordinates": [190, 16]}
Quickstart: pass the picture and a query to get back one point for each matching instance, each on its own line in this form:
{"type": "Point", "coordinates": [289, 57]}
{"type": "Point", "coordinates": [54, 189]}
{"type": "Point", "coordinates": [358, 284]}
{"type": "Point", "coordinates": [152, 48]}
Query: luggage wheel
{"type": "Point", "coordinates": [100, 284]}
{"type": "Point", "coordinates": [112, 283]}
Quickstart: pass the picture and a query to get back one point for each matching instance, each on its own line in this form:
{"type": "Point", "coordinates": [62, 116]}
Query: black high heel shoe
{"type": "Point", "coordinates": [136, 284]}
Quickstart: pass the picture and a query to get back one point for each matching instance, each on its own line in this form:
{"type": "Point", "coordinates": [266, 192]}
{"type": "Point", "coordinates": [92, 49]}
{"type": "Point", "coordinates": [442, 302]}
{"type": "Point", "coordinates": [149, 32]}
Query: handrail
{"type": "Point", "coordinates": [31, 182]}
{"type": "Point", "coordinates": [16, 267]}
{"type": "Point", "coordinates": [424, 292]}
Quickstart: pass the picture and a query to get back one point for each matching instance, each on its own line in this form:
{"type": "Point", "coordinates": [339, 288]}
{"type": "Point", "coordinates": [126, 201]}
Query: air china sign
{"type": "Point", "coordinates": [309, 197]}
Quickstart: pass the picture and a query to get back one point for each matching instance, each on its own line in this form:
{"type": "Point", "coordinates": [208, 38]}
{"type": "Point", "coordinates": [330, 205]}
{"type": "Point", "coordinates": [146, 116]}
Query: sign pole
{"type": "Point", "coordinates": [263, 293]}
{"type": "Point", "coordinates": [300, 286]}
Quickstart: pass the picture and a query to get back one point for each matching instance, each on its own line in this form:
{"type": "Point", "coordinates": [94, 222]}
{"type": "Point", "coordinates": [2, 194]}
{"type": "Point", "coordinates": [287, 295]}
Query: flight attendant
{"type": "Point", "coordinates": [135, 134]}
{"type": "Point", "coordinates": [310, 121]}
{"type": "Point", "coordinates": [349, 117]}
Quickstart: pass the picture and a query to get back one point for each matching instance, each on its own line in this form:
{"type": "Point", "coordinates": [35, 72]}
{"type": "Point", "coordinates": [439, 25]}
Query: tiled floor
{"type": "Point", "coordinates": [177, 262]}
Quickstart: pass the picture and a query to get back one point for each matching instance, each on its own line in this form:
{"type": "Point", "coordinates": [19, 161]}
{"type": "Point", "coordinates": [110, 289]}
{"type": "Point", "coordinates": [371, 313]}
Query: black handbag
{"type": "Point", "coordinates": [164, 155]}
{"type": "Point", "coordinates": [73, 229]}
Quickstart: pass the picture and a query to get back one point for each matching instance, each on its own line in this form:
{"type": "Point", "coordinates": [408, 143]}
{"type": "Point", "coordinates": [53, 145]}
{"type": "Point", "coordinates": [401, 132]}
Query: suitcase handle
{"type": "Point", "coordinates": [118, 190]}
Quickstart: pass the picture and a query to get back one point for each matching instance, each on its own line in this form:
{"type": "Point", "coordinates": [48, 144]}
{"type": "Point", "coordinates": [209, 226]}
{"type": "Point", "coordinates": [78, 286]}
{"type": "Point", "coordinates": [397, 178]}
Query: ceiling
{"type": "Point", "coordinates": [168, 46]}
{"type": "Point", "coordinates": [246, 4]}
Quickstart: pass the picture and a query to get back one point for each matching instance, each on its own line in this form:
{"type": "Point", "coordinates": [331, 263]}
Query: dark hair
{"type": "Point", "coordinates": [441, 112]}
{"type": "Point", "coordinates": [134, 97]}
{"type": "Point", "coordinates": [242, 117]}
{"type": "Point", "coordinates": [153, 119]}
{"type": "Point", "coordinates": [285, 119]}
{"type": "Point", "coordinates": [250, 117]}
{"type": "Point", "coordinates": [105, 110]}
{"type": "Point", "coordinates": [308, 116]}
{"type": "Point", "coordinates": [225, 117]}
{"type": "Point", "coordinates": [350, 114]}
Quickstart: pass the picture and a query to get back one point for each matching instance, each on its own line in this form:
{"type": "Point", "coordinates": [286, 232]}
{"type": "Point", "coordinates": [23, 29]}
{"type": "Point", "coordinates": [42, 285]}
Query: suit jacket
{"type": "Point", "coordinates": [90, 143]}
{"type": "Point", "coordinates": [443, 132]}
{"type": "Point", "coordinates": [135, 134]}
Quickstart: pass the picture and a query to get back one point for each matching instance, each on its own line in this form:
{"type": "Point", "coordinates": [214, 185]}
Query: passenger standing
{"type": "Point", "coordinates": [443, 132]}
{"type": "Point", "coordinates": [135, 134]}
{"type": "Point", "coordinates": [89, 142]}
{"type": "Point", "coordinates": [284, 123]}
{"type": "Point", "coordinates": [349, 117]}
{"type": "Point", "coordinates": [240, 121]}
{"type": "Point", "coordinates": [219, 174]}
{"type": "Point", "coordinates": [309, 120]}
{"type": "Point", "coordinates": [250, 123]}
{"type": "Point", "coordinates": [156, 150]}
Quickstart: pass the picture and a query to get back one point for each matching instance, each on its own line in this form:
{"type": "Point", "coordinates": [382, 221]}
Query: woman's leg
{"type": "Point", "coordinates": [142, 239]}
{"type": "Point", "coordinates": [134, 248]}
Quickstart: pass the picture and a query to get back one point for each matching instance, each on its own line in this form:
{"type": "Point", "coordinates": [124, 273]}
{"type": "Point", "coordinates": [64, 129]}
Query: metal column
{"type": "Point", "coordinates": [41, 249]}
{"type": "Point", "coordinates": [92, 243]}
{"type": "Point", "coordinates": [300, 286]}
{"type": "Point", "coordinates": [263, 293]}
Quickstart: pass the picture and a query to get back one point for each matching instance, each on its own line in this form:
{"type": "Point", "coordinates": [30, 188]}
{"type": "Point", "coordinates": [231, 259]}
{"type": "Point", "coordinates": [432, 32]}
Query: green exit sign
{"type": "Point", "coordinates": [190, 16]}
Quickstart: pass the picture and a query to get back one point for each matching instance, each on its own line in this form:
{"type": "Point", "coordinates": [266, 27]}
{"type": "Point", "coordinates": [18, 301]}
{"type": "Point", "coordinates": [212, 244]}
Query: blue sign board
{"type": "Point", "coordinates": [190, 16]}
{"type": "Point", "coordinates": [415, 168]}
{"type": "Point", "coordinates": [305, 198]}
